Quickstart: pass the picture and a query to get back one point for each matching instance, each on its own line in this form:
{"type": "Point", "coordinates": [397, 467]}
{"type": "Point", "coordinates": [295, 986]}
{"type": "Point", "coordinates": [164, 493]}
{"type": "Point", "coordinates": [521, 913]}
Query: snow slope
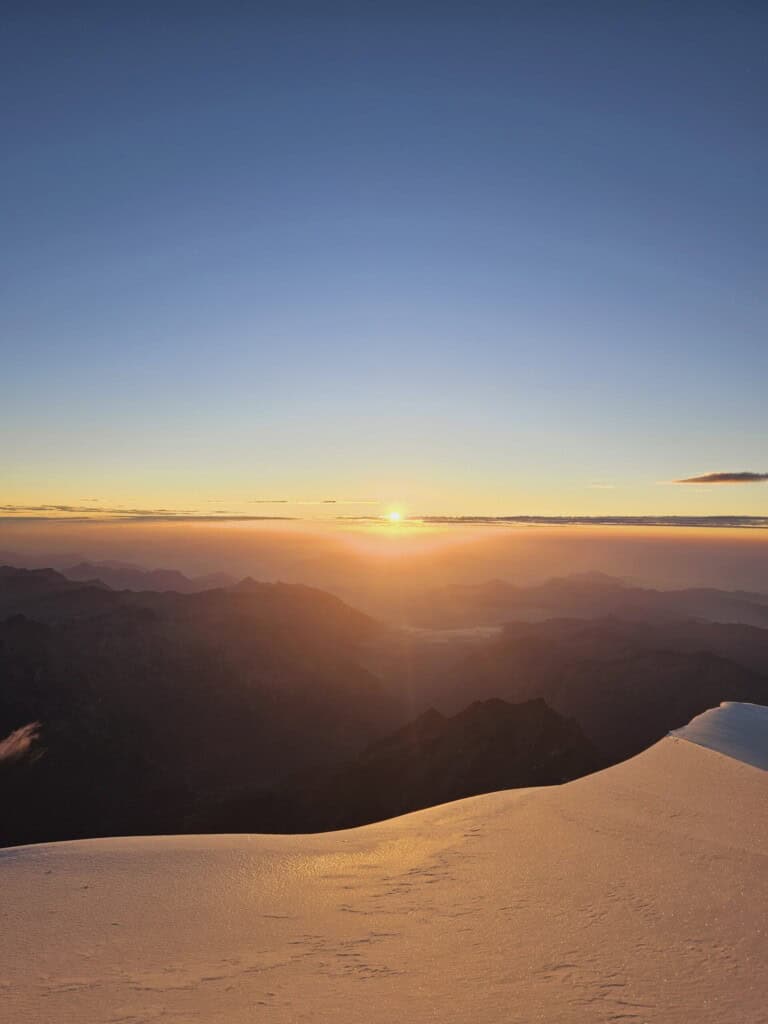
{"type": "Point", "coordinates": [738, 730]}
{"type": "Point", "coordinates": [637, 894]}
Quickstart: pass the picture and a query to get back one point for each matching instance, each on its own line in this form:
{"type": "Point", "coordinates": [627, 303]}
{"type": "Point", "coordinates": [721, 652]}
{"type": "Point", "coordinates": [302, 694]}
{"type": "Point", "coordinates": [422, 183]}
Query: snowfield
{"type": "Point", "coordinates": [639, 894]}
{"type": "Point", "coordinates": [739, 730]}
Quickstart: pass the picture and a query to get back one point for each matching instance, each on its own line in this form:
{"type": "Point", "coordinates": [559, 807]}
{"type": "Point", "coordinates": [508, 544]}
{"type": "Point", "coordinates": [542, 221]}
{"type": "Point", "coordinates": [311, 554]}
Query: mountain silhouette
{"type": "Point", "coordinates": [582, 595]}
{"type": "Point", "coordinates": [490, 745]}
{"type": "Point", "coordinates": [271, 706]}
{"type": "Point", "coordinates": [145, 701]}
{"type": "Point", "coordinates": [122, 577]}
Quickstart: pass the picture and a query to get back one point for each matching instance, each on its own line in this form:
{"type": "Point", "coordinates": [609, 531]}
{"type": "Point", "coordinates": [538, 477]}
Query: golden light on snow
{"type": "Point", "coordinates": [647, 833]}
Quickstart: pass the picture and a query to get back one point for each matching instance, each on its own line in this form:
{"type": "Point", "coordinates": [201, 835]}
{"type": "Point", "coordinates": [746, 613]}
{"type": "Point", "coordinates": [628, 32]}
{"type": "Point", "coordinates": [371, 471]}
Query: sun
{"type": "Point", "coordinates": [394, 517]}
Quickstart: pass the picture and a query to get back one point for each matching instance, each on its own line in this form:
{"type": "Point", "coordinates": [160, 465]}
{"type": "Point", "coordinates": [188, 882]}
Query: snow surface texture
{"type": "Point", "coordinates": [638, 894]}
{"type": "Point", "coordinates": [738, 730]}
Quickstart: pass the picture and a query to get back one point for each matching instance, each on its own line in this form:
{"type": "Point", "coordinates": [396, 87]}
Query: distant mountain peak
{"type": "Point", "coordinates": [247, 583]}
{"type": "Point", "coordinates": [121, 576]}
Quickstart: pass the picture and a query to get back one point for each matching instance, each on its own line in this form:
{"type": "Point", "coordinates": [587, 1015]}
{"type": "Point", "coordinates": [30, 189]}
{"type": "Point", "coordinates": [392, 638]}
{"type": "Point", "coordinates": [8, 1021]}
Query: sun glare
{"type": "Point", "coordinates": [394, 517]}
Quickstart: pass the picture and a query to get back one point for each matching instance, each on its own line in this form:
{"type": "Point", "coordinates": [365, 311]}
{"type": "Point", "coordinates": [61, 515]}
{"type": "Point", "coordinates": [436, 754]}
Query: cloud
{"type": "Point", "coordinates": [106, 514]}
{"type": "Point", "coordinates": [312, 501]}
{"type": "Point", "coordinates": [94, 509]}
{"type": "Point", "coordinates": [19, 743]}
{"type": "Point", "coordinates": [725, 478]}
{"type": "Point", "coordinates": [196, 517]}
{"type": "Point", "coordinates": [721, 522]}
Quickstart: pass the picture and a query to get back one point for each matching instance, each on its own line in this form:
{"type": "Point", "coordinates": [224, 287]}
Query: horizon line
{"type": "Point", "coordinates": [166, 516]}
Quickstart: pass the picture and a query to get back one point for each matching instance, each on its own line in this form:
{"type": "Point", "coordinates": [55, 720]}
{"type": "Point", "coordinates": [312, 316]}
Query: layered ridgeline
{"type": "Point", "coordinates": [246, 706]}
{"type": "Point", "coordinates": [273, 707]}
{"type": "Point", "coordinates": [150, 704]}
{"type": "Point", "coordinates": [489, 746]}
{"type": "Point", "coordinates": [626, 683]}
{"type": "Point", "coordinates": [130, 577]}
{"type": "Point", "coordinates": [635, 894]}
{"type": "Point", "coordinates": [583, 595]}
{"type": "Point", "coordinates": [117, 575]}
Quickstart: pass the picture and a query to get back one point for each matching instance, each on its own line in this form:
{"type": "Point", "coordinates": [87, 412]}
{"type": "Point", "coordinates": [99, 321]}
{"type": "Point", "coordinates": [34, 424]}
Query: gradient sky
{"type": "Point", "coordinates": [485, 258]}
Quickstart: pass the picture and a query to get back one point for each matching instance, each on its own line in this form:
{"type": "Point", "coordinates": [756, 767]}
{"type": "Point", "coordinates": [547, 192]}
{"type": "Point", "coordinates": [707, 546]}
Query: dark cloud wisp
{"type": "Point", "coordinates": [725, 478]}
{"type": "Point", "coordinates": [104, 513]}
{"type": "Point", "coordinates": [716, 522]}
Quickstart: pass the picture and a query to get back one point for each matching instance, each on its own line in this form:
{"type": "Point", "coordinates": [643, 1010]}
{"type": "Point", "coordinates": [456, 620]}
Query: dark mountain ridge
{"type": "Point", "coordinates": [155, 709]}
{"type": "Point", "coordinates": [146, 700]}
{"type": "Point", "coordinates": [116, 574]}
{"type": "Point", "coordinates": [583, 595]}
{"type": "Point", "coordinates": [627, 684]}
{"type": "Point", "coordinates": [490, 745]}
{"type": "Point", "coordinates": [131, 578]}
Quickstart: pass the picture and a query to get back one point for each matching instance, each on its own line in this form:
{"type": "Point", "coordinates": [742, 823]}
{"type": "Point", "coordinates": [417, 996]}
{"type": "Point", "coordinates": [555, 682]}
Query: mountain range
{"type": "Point", "coordinates": [582, 595]}
{"type": "Point", "coordinates": [269, 706]}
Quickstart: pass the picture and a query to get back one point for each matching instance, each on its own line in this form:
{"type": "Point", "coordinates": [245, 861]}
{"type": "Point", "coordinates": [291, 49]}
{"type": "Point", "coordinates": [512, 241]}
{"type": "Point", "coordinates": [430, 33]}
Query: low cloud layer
{"type": "Point", "coordinates": [99, 513]}
{"type": "Point", "coordinates": [721, 522]}
{"type": "Point", "coordinates": [313, 501]}
{"type": "Point", "coordinates": [120, 513]}
{"type": "Point", "coordinates": [725, 478]}
{"type": "Point", "coordinates": [94, 509]}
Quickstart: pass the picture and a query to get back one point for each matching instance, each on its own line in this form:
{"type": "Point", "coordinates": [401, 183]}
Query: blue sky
{"type": "Point", "coordinates": [474, 258]}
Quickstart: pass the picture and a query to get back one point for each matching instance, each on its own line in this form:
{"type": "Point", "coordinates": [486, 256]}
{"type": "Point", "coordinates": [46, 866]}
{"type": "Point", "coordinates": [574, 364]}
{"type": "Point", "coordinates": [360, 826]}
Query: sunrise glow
{"type": "Point", "coordinates": [384, 502]}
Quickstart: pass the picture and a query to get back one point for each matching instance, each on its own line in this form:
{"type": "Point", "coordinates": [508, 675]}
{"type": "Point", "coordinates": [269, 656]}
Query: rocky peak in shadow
{"type": "Point", "coordinates": [490, 745]}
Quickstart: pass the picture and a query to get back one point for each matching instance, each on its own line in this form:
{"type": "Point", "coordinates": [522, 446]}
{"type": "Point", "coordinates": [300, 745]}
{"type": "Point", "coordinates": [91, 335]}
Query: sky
{"type": "Point", "coordinates": [339, 259]}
